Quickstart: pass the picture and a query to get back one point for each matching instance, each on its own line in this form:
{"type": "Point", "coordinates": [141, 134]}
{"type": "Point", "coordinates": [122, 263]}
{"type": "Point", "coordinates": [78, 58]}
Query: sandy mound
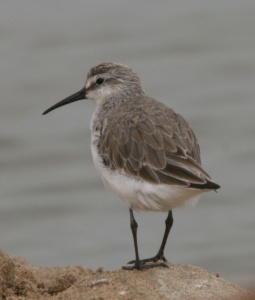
{"type": "Point", "coordinates": [20, 280]}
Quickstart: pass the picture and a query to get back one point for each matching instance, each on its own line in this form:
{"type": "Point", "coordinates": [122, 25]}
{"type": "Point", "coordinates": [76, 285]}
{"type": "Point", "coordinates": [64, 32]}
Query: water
{"type": "Point", "coordinates": [197, 57]}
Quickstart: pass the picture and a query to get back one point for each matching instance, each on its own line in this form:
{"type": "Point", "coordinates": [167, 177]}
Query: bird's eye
{"type": "Point", "coordinates": [99, 80]}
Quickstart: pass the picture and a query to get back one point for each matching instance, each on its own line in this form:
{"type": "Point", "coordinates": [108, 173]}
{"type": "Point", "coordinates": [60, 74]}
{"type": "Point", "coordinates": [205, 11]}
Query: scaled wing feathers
{"type": "Point", "coordinates": [159, 152]}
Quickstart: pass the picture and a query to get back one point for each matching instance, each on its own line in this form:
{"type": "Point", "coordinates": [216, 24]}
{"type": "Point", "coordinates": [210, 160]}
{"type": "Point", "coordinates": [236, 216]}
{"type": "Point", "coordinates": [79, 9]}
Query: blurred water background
{"type": "Point", "coordinates": [196, 56]}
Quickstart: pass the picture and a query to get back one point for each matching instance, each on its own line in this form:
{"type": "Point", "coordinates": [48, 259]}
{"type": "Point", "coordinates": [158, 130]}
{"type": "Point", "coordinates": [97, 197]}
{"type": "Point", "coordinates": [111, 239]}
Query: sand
{"type": "Point", "coordinates": [21, 280]}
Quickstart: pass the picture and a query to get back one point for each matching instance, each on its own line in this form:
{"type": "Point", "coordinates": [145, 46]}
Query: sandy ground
{"type": "Point", "coordinates": [21, 280]}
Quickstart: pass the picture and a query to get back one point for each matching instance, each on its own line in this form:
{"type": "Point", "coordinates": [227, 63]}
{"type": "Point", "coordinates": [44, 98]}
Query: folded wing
{"type": "Point", "coordinates": [159, 148]}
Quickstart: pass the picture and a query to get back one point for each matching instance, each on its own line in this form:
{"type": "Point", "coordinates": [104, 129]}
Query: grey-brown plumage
{"type": "Point", "coordinates": [138, 145]}
{"type": "Point", "coordinates": [145, 152]}
{"type": "Point", "coordinates": [144, 138]}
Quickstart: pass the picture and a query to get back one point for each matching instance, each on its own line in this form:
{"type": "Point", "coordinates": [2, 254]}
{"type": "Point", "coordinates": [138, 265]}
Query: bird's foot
{"type": "Point", "coordinates": [140, 265]}
{"type": "Point", "coordinates": [156, 258]}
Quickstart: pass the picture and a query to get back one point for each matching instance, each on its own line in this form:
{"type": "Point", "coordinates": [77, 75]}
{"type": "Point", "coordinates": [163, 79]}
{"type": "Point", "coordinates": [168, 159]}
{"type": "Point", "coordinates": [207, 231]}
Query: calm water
{"type": "Point", "coordinates": [196, 56]}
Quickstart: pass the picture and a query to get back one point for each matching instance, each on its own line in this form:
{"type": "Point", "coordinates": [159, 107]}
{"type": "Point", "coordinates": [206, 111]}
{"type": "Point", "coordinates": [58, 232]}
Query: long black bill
{"type": "Point", "coordinates": [75, 97]}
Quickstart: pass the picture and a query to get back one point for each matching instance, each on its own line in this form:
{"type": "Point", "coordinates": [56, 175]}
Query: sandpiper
{"type": "Point", "coordinates": [145, 152]}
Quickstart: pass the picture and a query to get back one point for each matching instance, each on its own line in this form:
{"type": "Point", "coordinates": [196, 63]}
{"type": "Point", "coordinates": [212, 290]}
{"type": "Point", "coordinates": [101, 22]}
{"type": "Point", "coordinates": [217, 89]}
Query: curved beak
{"type": "Point", "coordinates": [75, 97]}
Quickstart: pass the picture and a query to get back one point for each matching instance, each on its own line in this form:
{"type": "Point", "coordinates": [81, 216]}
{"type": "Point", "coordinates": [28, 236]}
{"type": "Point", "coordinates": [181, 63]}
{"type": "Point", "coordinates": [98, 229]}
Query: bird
{"type": "Point", "coordinates": [146, 153]}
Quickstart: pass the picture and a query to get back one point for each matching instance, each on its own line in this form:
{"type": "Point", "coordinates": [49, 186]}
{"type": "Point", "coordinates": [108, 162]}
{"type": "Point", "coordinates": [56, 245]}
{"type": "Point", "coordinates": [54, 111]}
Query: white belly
{"type": "Point", "coordinates": [142, 195]}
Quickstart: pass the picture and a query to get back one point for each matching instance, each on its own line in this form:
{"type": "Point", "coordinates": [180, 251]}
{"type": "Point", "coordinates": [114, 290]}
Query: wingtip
{"type": "Point", "coordinates": [216, 187]}
{"type": "Point", "coordinates": [212, 185]}
{"type": "Point", "coordinates": [209, 185]}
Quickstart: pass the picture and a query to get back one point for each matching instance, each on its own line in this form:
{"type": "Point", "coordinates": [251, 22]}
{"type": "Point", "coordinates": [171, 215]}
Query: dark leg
{"type": "Point", "coordinates": [138, 264]}
{"type": "Point", "coordinates": [134, 225]}
{"type": "Point", "coordinates": [160, 255]}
